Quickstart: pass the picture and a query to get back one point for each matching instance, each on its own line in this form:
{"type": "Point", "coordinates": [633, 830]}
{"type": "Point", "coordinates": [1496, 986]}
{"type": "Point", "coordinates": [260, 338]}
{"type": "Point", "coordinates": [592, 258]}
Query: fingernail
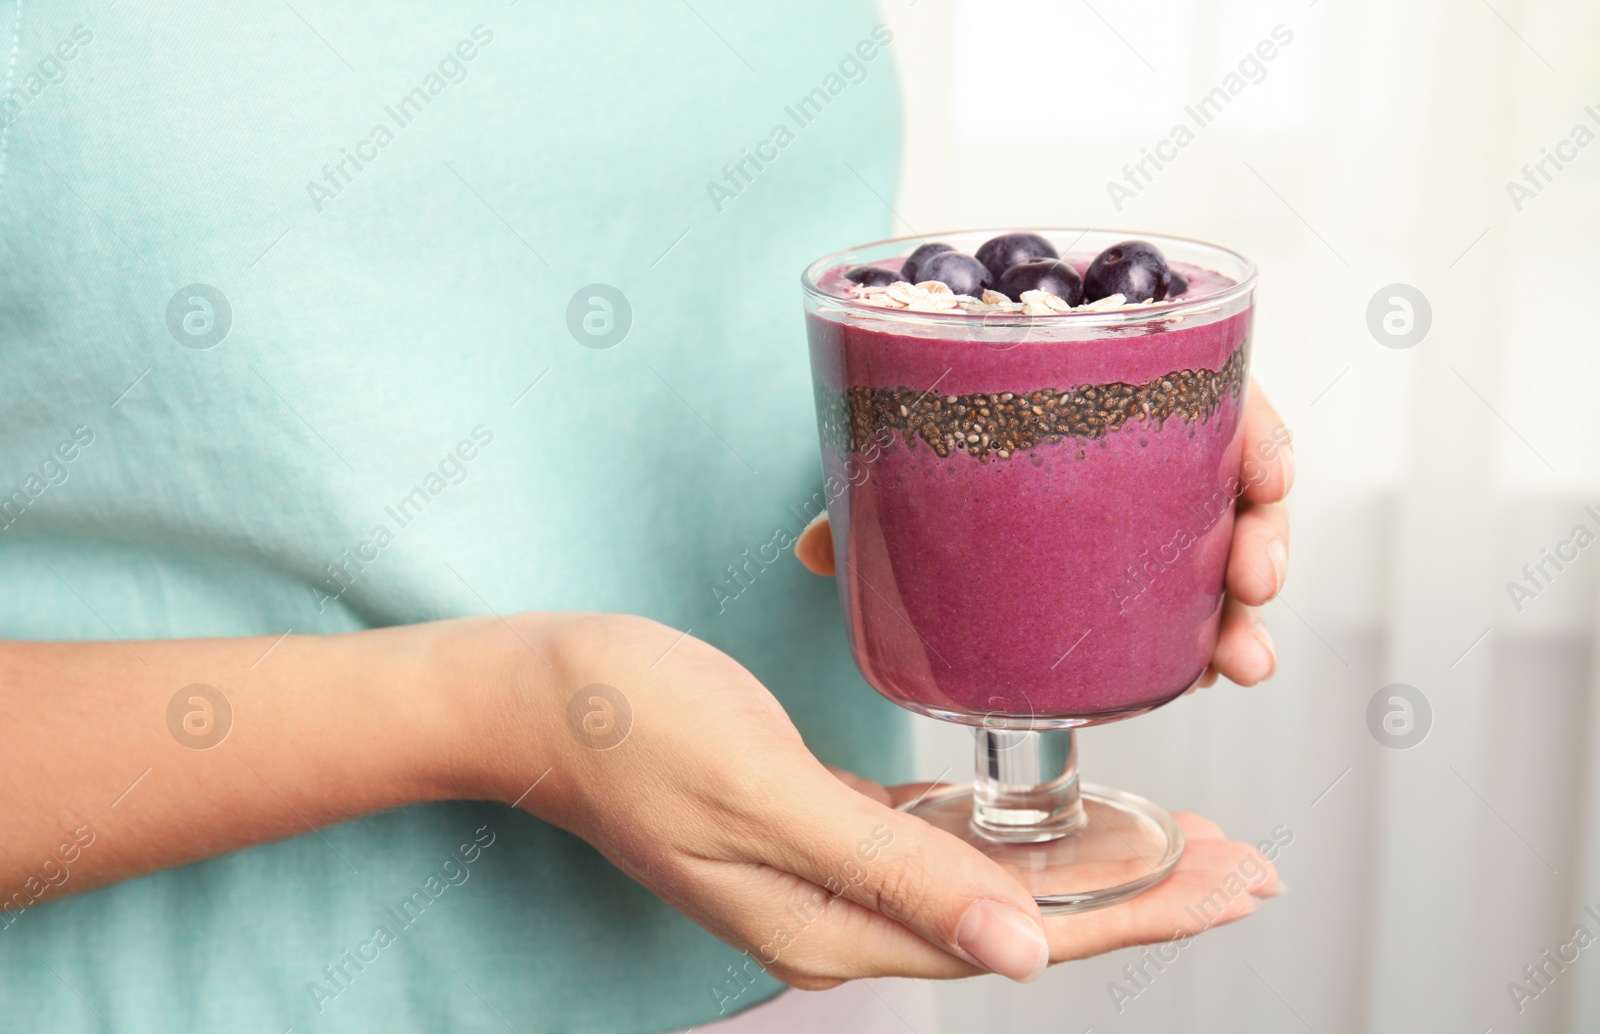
{"type": "Point", "coordinates": [1278, 891]}
{"type": "Point", "coordinates": [1278, 557]}
{"type": "Point", "coordinates": [1003, 940]}
{"type": "Point", "coordinates": [1265, 639]}
{"type": "Point", "coordinates": [1288, 466]}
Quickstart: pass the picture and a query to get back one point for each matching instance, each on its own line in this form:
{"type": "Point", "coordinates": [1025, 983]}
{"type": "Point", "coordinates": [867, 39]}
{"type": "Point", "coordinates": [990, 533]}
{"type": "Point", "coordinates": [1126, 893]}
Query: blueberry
{"type": "Point", "coordinates": [1176, 285]}
{"type": "Point", "coordinates": [1000, 253]}
{"type": "Point", "coordinates": [1044, 274]}
{"type": "Point", "coordinates": [912, 269]}
{"type": "Point", "coordinates": [963, 274]}
{"type": "Point", "coordinates": [872, 276]}
{"type": "Point", "coordinates": [1134, 269]}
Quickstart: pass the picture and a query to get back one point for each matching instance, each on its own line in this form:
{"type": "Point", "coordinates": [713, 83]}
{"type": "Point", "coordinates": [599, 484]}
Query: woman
{"type": "Point", "coordinates": [304, 356]}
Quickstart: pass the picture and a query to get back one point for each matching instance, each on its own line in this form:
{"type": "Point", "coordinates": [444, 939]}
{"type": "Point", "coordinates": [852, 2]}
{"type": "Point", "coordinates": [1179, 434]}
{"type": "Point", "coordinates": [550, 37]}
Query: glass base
{"type": "Point", "coordinates": [1123, 846]}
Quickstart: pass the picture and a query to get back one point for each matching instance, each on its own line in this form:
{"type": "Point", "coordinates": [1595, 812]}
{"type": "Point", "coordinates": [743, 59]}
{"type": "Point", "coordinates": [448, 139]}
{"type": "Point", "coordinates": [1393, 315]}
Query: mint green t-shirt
{"type": "Point", "coordinates": [331, 316]}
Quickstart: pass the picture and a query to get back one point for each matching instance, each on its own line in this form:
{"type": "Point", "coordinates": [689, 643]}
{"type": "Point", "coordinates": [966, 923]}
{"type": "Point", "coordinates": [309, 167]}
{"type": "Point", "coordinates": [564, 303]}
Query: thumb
{"type": "Point", "coordinates": [913, 873]}
{"type": "Point", "coordinates": [814, 548]}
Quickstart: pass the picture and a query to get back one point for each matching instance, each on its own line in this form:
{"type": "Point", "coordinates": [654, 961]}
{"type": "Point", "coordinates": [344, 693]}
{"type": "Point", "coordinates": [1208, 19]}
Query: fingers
{"type": "Point", "coordinates": [1217, 882]}
{"type": "Point", "coordinates": [811, 938]}
{"type": "Point", "coordinates": [903, 869]}
{"type": "Point", "coordinates": [908, 900]}
{"type": "Point", "coordinates": [1244, 653]}
{"type": "Point", "coordinates": [1240, 866]}
{"type": "Point", "coordinates": [1181, 906]}
{"type": "Point", "coordinates": [1267, 464]}
{"type": "Point", "coordinates": [1258, 562]}
{"type": "Point", "coordinates": [814, 548]}
{"type": "Point", "coordinates": [817, 940]}
{"type": "Point", "coordinates": [1197, 827]}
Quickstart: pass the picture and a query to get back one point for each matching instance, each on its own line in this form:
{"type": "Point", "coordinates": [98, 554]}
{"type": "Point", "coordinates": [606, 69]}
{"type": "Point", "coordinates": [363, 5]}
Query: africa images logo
{"type": "Point", "coordinates": [451, 70]}
{"type": "Point", "coordinates": [852, 70]}
{"type": "Point", "coordinates": [342, 573]}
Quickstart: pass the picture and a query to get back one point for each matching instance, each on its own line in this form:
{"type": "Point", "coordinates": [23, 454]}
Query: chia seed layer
{"type": "Point", "coordinates": [1003, 424]}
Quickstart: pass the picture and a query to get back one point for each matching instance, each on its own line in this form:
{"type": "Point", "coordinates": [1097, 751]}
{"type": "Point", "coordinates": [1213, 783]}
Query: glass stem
{"type": "Point", "coordinates": [1026, 789]}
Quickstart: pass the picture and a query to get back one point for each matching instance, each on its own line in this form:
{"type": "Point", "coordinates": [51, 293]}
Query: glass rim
{"type": "Point", "coordinates": [1160, 311]}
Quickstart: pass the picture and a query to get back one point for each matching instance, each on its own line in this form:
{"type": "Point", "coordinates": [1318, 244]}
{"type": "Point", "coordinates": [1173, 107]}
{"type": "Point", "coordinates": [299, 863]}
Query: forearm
{"type": "Point", "coordinates": [102, 780]}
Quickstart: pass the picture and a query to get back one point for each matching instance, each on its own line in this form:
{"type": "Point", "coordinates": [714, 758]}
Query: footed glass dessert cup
{"type": "Point", "coordinates": [1032, 507]}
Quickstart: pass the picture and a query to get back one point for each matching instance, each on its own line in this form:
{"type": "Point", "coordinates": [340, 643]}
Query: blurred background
{"type": "Point", "coordinates": [1374, 149]}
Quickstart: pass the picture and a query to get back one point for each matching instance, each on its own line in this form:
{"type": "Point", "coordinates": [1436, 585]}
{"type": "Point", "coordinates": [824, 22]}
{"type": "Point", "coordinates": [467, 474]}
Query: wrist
{"type": "Point", "coordinates": [551, 693]}
{"type": "Point", "coordinates": [492, 692]}
{"type": "Point", "coordinates": [401, 699]}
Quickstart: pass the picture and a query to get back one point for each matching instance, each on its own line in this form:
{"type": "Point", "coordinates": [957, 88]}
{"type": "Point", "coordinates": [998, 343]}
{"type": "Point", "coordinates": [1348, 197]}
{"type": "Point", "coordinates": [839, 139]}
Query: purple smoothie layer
{"type": "Point", "coordinates": [1063, 566]}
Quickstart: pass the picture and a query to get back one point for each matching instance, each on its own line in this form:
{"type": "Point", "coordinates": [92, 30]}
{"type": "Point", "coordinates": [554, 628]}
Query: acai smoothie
{"type": "Point", "coordinates": [1033, 460]}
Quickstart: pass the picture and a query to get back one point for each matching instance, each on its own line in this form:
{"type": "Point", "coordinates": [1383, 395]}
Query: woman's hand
{"type": "Point", "coordinates": [1257, 564]}
{"type": "Point", "coordinates": [685, 772]}
{"type": "Point", "coordinates": [662, 752]}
